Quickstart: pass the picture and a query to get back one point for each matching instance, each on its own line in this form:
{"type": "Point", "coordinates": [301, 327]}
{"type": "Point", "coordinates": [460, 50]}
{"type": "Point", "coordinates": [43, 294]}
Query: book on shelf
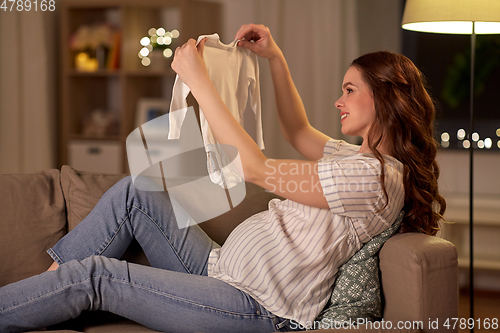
{"type": "Point", "coordinates": [113, 61]}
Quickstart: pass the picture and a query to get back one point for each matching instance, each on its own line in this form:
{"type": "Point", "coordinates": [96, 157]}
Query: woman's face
{"type": "Point", "coordinates": [356, 105]}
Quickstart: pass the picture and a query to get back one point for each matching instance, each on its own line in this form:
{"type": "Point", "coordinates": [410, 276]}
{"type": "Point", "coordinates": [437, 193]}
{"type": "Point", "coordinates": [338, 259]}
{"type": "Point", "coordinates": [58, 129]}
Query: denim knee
{"type": "Point", "coordinates": [146, 183]}
{"type": "Point", "coordinates": [130, 188]}
{"type": "Point", "coordinates": [101, 266]}
{"type": "Point", "coordinates": [94, 273]}
{"type": "Point", "coordinates": [123, 184]}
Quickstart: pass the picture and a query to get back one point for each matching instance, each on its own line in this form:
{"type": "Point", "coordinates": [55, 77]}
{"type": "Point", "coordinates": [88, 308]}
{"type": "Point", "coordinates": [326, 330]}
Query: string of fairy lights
{"type": "Point", "coordinates": [157, 39]}
{"type": "Point", "coordinates": [464, 141]}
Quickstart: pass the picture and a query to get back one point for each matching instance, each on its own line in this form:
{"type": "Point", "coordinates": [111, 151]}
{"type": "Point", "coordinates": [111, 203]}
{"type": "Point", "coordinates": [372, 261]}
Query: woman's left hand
{"type": "Point", "coordinates": [189, 65]}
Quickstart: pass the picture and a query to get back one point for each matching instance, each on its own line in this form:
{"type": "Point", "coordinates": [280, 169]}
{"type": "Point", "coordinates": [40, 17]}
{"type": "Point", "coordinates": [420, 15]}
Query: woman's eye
{"type": "Point", "coordinates": [349, 90]}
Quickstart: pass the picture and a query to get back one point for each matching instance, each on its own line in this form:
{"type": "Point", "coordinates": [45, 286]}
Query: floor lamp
{"type": "Point", "coordinates": [457, 17]}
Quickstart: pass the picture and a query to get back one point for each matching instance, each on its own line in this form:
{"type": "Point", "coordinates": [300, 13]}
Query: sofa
{"type": "Point", "coordinates": [418, 272]}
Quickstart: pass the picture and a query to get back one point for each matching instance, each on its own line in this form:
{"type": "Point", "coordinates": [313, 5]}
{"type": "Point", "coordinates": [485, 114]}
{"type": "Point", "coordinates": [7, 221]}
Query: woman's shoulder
{"type": "Point", "coordinates": [339, 148]}
{"type": "Point", "coordinates": [347, 155]}
{"type": "Point", "coordinates": [370, 158]}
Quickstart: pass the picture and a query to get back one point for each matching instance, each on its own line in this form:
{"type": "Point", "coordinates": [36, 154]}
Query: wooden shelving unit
{"type": "Point", "coordinates": [117, 91]}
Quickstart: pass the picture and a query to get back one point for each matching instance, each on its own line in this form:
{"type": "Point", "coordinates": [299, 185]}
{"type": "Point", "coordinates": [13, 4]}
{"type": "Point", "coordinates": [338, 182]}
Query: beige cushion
{"type": "Point", "coordinates": [82, 190]}
{"type": "Point", "coordinates": [33, 219]}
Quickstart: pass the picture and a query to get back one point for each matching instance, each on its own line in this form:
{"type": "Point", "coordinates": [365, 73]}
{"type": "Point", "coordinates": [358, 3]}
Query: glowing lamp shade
{"type": "Point", "coordinates": [452, 16]}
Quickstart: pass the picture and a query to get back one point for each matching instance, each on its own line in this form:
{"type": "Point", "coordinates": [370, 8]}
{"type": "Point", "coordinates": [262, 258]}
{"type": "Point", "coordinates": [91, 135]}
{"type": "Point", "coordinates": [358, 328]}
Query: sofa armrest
{"type": "Point", "coordinates": [419, 277]}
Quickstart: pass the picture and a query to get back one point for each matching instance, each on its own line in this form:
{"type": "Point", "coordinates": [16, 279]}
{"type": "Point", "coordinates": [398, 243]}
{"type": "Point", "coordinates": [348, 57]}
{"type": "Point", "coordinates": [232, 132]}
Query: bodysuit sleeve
{"type": "Point", "coordinates": [178, 104]}
{"type": "Point", "coordinates": [178, 108]}
{"type": "Point", "coordinates": [254, 96]}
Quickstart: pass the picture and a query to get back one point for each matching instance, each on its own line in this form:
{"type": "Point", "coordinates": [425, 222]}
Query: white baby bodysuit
{"type": "Point", "coordinates": [234, 71]}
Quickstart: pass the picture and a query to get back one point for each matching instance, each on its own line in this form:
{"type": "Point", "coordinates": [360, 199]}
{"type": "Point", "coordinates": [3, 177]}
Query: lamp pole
{"type": "Point", "coordinates": [471, 173]}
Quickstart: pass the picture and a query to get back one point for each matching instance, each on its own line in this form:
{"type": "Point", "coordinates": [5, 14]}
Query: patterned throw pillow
{"type": "Point", "coordinates": [356, 292]}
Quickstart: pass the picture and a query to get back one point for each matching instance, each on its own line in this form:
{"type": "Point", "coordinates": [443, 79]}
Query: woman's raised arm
{"type": "Point", "coordinates": [274, 175]}
{"type": "Point", "coordinates": [291, 112]}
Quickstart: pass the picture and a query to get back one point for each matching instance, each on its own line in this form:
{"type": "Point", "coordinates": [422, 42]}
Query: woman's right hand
{"type": "Point", "coordinates": [259, 40]}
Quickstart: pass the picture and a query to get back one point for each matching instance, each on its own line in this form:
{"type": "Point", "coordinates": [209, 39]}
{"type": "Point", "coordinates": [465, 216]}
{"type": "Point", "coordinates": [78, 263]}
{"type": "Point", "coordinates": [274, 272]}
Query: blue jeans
{"type": "Point", "coordinates": [174, 295]}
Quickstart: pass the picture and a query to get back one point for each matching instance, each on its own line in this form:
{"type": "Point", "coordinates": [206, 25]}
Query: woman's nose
{"type": "Point", "coordinates": [339, 103]}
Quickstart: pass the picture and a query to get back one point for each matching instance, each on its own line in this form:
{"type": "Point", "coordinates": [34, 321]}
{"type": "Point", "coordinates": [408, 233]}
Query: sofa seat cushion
{"type": "Point", "coordinates": [33, 207]}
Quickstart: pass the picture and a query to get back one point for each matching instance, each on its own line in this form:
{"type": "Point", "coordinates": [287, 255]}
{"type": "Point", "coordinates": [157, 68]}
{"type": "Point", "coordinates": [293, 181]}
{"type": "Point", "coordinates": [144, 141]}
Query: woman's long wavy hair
{"type": "Point", "coordinates": [405, 116]}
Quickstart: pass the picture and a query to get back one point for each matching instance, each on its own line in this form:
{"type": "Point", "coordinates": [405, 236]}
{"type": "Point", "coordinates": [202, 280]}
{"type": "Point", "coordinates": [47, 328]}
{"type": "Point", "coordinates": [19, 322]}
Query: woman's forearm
{"type": "Point", "coordinates": [291, 111]}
